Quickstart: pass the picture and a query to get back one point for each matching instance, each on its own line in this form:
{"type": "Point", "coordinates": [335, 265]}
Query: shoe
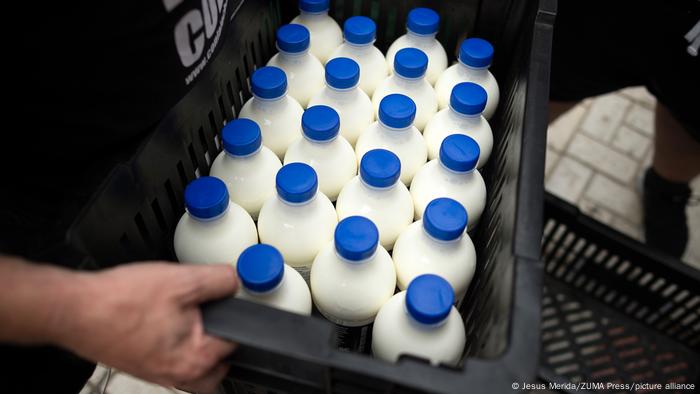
{"type": "Point", "coordinates": [665, 221]}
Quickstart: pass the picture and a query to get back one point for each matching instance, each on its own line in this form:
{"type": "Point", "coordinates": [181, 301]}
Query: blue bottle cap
{"type": "Point", "coordinates": [410, 63]}
{"type": "Point", "coordinates": [206, 197]}
{"type": "Point", "coordinates": [320, 123]}
{"type": "Point", "coordinates": [293, 38]}
{"type": "Point", "coordinates": [269, 82]}
{"type": "Point", "coordinates": [296, 182]}
{"type": "Point", "coordinates": [356, 238]}
{"type": "Point", "coordinates": [397, 111]}
{"type": "Point", "coordinates": [342, 73]}
{"type": "Point", "coordinates": [459, 152]}
{"type": "Point", "coordinates": [360, 30]}
{"type": "Point", "coordinates": [380, 168]}
{"type": "Point", "coordinates": [260, 268]}
{"type": "Point", "coordinates": [241, 137]}
{"type": "Point", "coordinates": [445, 219]}
{"type": "Point", "coordinates": [476, 52]}
{"type": "Point", "coordinates": [429, 299]}
{"type": "Point", "coordinates": [314, 5]}
{"type": "Point", "coordinates": [468, 98]}
{"type": "Point", "coordinates": [423, 21]}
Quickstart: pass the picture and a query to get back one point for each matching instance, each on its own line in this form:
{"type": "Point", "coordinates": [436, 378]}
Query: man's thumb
{"type": "Point", "coordinates": [212, 281]}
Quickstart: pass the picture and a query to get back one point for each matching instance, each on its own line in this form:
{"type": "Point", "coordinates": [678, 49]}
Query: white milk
{"type": "Point", "coordinates": [395, 132]}
{"type": "Point", "coordinates": [342, 94]}
{"type": "Point", "coordinates": [360, 33]}
{"type": "Point", "coordinates": [437, 245]}
{"type": "Point", "coordinates": [214, 229]}
{"type": "Point", "coordinates": [410, 64]}
{"type": "Point", "coordinates": [475, 57]}
{"type": "Point", "coordinates": [422, 27]}
{"type": "Point", "coordinates": [453, 175]}
{"type": "Point", "coordinates": [329, 154]}
{"type": "Point", "coordinates": [378, 195]}
{"type": "Point", "coordinates": [247, 167]}
{"type": "Point", "coordinates": [325, 32]}
{"type": "Point", "coordinates": [351, 279]}
{"type": "Point", "coordinates": [421, 322]}
{"type": "Point", "coordinates": [266, 279]}
{"type": "Point", "coordinates": [277, 114]}
{"type": "Point", "coordinates": [463, 116]}
{"type": "Point", "coordinates": [298, 221]}
{"type": "Point", "coordinates": [304, 71]}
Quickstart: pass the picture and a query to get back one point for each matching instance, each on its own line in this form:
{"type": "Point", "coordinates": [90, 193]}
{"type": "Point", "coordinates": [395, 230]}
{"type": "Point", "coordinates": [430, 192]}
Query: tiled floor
{"type": "Point", "coordinates": [595, 155]}
{"type": "Point", "coordinates": [106, 381]}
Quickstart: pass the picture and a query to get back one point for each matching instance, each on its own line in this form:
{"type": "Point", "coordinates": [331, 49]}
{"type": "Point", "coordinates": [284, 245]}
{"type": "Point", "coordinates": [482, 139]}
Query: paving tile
{"type": "Point", "coordinates": [97, 380]}
{"type": "Point", "coordinates": [615, 197]}
{"type": "Point", "coordinates": [635, 231]}
{"type": "Point", "coordinates": [596, 211]}
{"type": "Point", "coordinates": [568, 179]}
{"type": "Point", "coordinates": [604, 116]}
{"type": "Point", "coordinates": [550, 162]}
{"type": "Point", "coordinates": [641, 118]}
{"type": "Point", "coordinates": [640, 95]}
{"type": "Point", "coordinates": [602, 158]}
{"type": "Point", "coordinates": [89, 388]}
{"type": "Point", "coordinates": [122, 383]}
{"type": "Point", "coordinates": [560, 131]}
{"type": "Point", "coordinates": [631, 142]}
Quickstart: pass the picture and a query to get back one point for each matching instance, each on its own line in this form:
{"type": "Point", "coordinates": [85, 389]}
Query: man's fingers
{"type": "Point", "coordinates": [219, 348]}
{"type": "Point", "coordinates": [208, 383]}
{"type": "Point", "coordinates": [211, 281]}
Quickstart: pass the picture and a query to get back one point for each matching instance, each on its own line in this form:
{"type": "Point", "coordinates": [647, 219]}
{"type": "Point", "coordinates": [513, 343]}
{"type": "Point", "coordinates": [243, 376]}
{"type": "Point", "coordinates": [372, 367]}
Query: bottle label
{"type": "Point", "coordinates": [354, 339]}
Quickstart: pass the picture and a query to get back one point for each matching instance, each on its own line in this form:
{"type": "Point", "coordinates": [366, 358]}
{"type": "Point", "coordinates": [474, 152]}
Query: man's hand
{"type": "Point", "coordinates": [143, 319]}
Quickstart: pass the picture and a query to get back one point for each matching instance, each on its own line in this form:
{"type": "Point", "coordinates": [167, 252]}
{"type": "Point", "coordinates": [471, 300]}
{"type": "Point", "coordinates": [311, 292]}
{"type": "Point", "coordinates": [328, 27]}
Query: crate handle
{"type": "Point", "coordinates": [267, 329]}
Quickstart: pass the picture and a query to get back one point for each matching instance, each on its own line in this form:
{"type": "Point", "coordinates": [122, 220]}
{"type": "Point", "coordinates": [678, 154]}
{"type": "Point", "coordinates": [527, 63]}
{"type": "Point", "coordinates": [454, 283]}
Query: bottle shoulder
{"type": "Point", "coordinates": [333, 279]}
{"type": "Point", "coordinates": [292, 295]}
{"type": "Point", "coordinates": [262, 162]}
{"type": "Point", "coordinates": [319, 212]}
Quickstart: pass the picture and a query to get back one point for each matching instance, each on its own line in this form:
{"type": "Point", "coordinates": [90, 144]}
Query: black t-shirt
{"type": "Point", "coordinates": [86, 82]}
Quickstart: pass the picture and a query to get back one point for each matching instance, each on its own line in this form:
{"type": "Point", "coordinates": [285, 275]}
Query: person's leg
{"type": "Point", "coordinates": [676, 152]}
{"type": "Point", "coordinates": [666, 191]}
{"type": "Point", "coordinates": [558, 108]}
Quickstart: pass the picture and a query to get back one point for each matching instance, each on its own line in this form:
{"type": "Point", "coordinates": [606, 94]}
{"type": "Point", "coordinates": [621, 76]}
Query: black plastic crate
{"type": "Point", "coordinates": [614, 310]}
{"type": "Point", "coordinates": [133, 216]}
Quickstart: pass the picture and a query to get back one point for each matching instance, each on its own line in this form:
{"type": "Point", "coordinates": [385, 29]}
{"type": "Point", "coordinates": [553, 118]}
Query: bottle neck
{"type": "Point", "coordinates": [292, 55]}
{"type": "Point", "coordinates": [394, 129]}
{"type": "Point", "coordinates": [421, 37]}
{"type": "Point", "coordinates": [442, 241]}
{"type": "Point", "coordinates": [297, 204]}
{"type": "Point", "coordinates": [314, 15]}
{"type": "Point", "coordinates": [475, 71]}
{"type": "Point", "coordinates": [354, 262]}
{"type": "Point", "coordinates": [319, 142]}
{"type": "Point", "coordinates": [461, 116]}
{"type": "Point", "coordinates": [378, 189]}
{"type": "Point", "coordinates": [452, 173]}
{"type": "Point", "coordinates": [357, 46]}
{"type": "Point", "coordinates": [405, 81]}
{"type": "Point", "coordinates": [341, 91]}
{"type": "Point", "coordinates": [269, 100]}
{"type": "Point", "coordinates": [209, 220]}
{"type": "Point", "coordinates": [249, 155]}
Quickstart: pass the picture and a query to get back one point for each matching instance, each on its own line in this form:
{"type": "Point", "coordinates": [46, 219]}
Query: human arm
{"type": "Point", "coordinates": [143, 319]}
